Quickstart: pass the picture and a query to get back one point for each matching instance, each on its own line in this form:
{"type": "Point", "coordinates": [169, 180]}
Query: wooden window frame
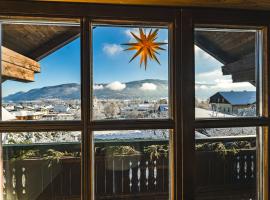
{"type": "Point", "coordinates": [223, 17]}
{"type": "Point", "coordinates": [182, 82]}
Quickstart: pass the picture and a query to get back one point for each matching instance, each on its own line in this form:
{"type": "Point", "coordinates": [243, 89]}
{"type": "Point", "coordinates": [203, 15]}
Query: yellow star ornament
{"type": "Point", "coordinates": [146, 46]}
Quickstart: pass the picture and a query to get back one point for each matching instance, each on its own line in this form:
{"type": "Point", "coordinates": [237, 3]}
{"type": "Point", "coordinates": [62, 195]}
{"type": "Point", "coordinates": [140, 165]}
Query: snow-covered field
{"type": "Point", "coordinates": [61, 136]}
{"type": "Point", "coordinates": [225, 132]}
{"type": "Point", "coordinates": [220, 132]}
{"type": "Point", "coordinates": [203, 113]}
{"type": "Point", "coordinates": [41, 137]}
{"type": "Point", "coordinates": [131, 134]}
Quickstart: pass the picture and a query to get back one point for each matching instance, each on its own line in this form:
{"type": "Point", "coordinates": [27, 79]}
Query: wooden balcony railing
{"type": "Point", "coordinates": [135, 176]}
{"type": "Point", "coordinates": [230, 176]}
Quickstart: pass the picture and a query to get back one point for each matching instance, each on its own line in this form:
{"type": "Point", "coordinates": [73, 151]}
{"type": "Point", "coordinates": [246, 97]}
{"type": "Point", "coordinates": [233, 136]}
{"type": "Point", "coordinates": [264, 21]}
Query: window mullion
{"type": "Point", "coordinates": [87, 187]}
{"type": "Point", "coordinates": [132, 124]}
{"type": "Point", "coordinates": [232, 122]}
{"type": "Point", "coordinates": [187, 103]}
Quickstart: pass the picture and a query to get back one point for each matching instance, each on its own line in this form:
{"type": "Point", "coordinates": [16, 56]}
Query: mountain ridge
{"type": "Point", "coordinates": [156, 88]}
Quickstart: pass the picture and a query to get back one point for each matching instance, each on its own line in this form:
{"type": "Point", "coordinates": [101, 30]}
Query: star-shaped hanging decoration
{"type": "Point", "coordinates": [146, 46]}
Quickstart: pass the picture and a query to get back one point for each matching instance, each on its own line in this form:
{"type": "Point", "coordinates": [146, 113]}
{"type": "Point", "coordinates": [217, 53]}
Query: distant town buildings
{"type": "Point", "coordinates": [56, 109]}
{"type": "Point", "coordinates": [42, 110]}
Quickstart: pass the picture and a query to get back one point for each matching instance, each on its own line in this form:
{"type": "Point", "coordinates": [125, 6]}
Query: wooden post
{"type": "Point", "coordinates": [1, 146]}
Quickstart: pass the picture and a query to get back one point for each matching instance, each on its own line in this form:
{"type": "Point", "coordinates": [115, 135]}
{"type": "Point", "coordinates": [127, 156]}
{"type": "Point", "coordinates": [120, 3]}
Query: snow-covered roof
{"type": "Point", "coordinates": [7, 116]}
{"type": "Point", "coordinates": [239, 97]}
{"type": "Point", "coordinates": [23, 113]}
{"type": "Point", "coordinates": [145, 105]}
{"type": "Point", "coordinates": [49, 107]}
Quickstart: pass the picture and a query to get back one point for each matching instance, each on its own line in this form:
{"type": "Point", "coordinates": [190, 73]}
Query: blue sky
{"type": "Point", "coordinates": [111, 65]}
{"type": "Point", "coordinates": [62, 66]}
{"type": "Point", "coordinates": [110, 62]}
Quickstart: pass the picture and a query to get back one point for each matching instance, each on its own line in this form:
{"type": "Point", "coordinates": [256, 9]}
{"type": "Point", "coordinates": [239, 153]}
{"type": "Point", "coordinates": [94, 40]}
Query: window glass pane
{"type": "Point", "coordinates": [226, 163]}
{"type": "Point", "coordinates": [40, 70]}
{"type": "Point", "coordinates": [225, 65]}
{"type": "Point", "coordinates": [41, 165]}
{"type": "Point", "coordinates": [132, 164]}
{"type": "Point", "coordinates": [127, 88]}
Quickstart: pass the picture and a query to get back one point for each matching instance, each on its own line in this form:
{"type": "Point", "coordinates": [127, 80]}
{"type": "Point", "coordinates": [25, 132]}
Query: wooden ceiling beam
{"type": "Point", "coordinates": [247, 63]}
{"type": "Point", "coordinates": [241, 72]}
{"type": "Point", "coordinates": [17, 67]}
{"type": "Point", "coordinates": [244, 76]}
{"type": "Point", "coordinates": [15, 58]}
{"type": "Point", "coordinates": [14, 72]}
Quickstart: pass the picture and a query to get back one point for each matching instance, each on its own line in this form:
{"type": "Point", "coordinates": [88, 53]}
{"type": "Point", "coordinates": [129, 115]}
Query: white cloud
{"type": "Point", "coordinates": [216, 80]}
{"type": "Point", "coordinates": [203, 87]}
{"type": "Point", "coordinates": [133, 30]}
{"type": "Point", "coordinates": [202, 54]}
{"type": "Point", "coordinates": [112, 49]}
{"type": "Point", "coordinates": [136, 32]}
{"type": "Point", "coordinates": [210, 74]}
{"type": "Point", "coordinates": [166, 41]}
{"type": "Point", "coordinates": [116, 85]}
{"type": "Point", "coordinates": [148, 86]}
{"type": "Point", "coordinates": [208, 83]}
{"type": "Point", "coordinates": [98, 87]}
{"type": "Point", "coordinates": [227, 84]}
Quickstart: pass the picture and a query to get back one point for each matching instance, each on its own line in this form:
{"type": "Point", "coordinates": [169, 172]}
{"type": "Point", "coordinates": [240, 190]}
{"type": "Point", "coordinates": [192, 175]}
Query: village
{"type": "Point", "coordinates": [220, 104]}
{"type": "Point", "coordinates": [56, 109]}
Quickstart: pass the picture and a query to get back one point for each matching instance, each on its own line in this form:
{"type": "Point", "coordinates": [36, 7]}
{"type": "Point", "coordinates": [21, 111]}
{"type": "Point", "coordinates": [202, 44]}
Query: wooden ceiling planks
{"type": "Point", "coordinates": [37, 41]}
{"type": "Point", "coordinates": [226, 46]}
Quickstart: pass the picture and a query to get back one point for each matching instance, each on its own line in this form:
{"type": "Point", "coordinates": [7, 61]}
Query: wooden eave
{"type": "Point", "coordinates": [235, 50]}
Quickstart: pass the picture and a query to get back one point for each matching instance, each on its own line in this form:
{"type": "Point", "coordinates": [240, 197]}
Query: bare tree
{"type": "Point", "coordinates": [110, 110]}
{"type": "Point", "coordinates": [132, 114]}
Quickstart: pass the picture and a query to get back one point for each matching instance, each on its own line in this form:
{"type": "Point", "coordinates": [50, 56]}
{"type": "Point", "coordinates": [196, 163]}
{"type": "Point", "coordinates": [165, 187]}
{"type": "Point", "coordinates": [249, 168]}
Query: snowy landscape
{"type": "Point", "coordinates": [135, 100]}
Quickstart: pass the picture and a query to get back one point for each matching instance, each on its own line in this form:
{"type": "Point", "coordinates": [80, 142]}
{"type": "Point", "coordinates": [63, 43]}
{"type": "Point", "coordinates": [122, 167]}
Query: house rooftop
{"type": "Point", "coordinates": [239, 97]}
